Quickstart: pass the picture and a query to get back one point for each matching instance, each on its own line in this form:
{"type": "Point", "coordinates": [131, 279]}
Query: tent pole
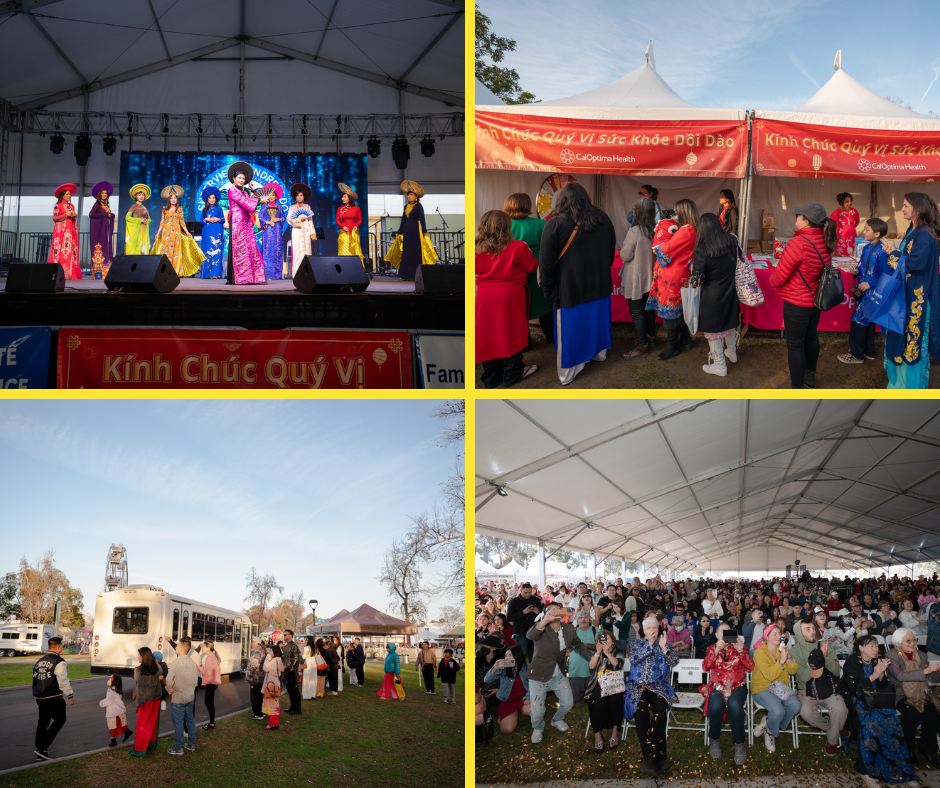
{"type": "Point", "coordinates": [541, 559]}
{"type": "Point", "coordinates": [81, 186]}
{"type": "Point", "coordinates": [748, 177]}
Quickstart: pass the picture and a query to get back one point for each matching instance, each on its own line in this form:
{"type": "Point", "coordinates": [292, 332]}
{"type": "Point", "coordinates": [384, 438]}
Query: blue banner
{"type": "Point", "coordinates": [24, 357]}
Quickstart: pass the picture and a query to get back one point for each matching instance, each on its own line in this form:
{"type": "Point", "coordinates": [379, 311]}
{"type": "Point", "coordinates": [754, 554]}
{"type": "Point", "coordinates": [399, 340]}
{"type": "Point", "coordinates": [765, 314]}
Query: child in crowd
{"type": "Point", "coordinates": [447, 673]}
{"type": "Point", "coordinates": [871, 266]}
{"type": "Point", "coordinates": [115, 711]}
{"type": "Point", "coordinates": [272, 706]}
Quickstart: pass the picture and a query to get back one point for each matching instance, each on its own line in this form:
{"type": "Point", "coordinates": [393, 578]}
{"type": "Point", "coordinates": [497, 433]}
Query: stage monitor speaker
{"type": "Point", "coordinates": [331, 275]}
{"type": "Point", "coordinates": [142, 273]}
{"type": "Point", "coordinates": [439, 279]}
{"type": "Point", "coordinates": [35, 278]}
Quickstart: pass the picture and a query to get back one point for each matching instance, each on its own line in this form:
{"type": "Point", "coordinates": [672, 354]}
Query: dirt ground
{"type": "Point", "coordinates": [762, 364]}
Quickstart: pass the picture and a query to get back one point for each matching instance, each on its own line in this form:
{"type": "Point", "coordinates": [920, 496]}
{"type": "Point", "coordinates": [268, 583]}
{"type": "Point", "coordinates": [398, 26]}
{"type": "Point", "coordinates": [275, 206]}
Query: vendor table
{"type": "Point", "coordinates": [768, 315]}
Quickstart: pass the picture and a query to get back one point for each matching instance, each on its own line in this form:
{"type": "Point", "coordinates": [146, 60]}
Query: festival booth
{"type": "Point", "coordinates": [513, 569]}
{"type": "Point", "coordinates": [372, 625]}
{"type": "Point", "coordinates": [633, 131]}
{"type": "Point", "coordinates": [845, 138]}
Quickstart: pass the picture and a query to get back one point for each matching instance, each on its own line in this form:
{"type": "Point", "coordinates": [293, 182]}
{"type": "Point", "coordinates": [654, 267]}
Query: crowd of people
{"type": "Point", "coordinates": [306, 674]}
{"type": "Point", "coordinates": [559, 272]}
{"type": "Point", "coordinates": [796, 646]}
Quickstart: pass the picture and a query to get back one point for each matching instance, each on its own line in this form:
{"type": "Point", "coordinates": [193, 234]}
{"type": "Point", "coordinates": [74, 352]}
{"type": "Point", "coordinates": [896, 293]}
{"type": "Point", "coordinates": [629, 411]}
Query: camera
{"type": "Point", "coordinates": [730, 636]}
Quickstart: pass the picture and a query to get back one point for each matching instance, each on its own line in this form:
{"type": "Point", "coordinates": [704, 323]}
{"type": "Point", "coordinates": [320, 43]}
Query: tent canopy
{"type": "Point", "coordinates": [365, 619]}
{"type": "Point", "coordinates": [726, 484]}
{"type": "Point", "coordinates": [483, 95]}
{"type": "Point", "coordinates": [844, 101]}
{"type": "Point", "coordinates": [481, 567]}
{"type": "Point", "coordinates": [640, 95]}
{"type": "Point", "coordinates": [512, 568]}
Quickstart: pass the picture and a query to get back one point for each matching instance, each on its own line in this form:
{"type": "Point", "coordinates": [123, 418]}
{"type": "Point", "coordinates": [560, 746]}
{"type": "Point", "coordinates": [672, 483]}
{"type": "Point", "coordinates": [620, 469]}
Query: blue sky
{"type": "Point", "coordinates": [744, 54]}
{"type": "Point", "coordinates": [200, 491]}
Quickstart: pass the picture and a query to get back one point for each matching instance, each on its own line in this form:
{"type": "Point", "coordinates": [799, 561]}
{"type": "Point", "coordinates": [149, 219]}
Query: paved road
{"type": "Point", "coordinates": [86, 729]}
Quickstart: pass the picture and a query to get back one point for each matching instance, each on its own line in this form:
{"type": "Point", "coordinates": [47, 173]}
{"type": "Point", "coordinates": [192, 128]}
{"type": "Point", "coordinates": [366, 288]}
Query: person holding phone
{"type": "Point", "coordinates": [728, 662]}
{"type": "Point", "coordinates": [773, 662]}
{"type": "Point", "coordinates": [605, 702]}
{"type": "Point", "coordinates": [882, 751]}
{"type": "Point", "coordinates": [513, 694]}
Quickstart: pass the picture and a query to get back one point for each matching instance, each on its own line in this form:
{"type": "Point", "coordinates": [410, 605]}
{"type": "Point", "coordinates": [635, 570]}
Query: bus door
{"type": "Point", "coordinates": [179, 620]}
{"type": "Point", "coordinates": [246, 646]}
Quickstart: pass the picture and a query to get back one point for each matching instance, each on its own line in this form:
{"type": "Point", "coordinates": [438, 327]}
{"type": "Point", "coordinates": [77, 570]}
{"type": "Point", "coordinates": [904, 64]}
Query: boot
{"type": "Point", "coordinates": [731, 351]}
{"type": "Point", "coordinates": [716, 359]}
{"type": "Point", "coordinates": [809, 378]}
{"type": "Point", "coordinates": [648, 766]}
{"type": "Point", "coordinates": [685, 338]}
{"type": "Point", "coordinates": [672, 345]}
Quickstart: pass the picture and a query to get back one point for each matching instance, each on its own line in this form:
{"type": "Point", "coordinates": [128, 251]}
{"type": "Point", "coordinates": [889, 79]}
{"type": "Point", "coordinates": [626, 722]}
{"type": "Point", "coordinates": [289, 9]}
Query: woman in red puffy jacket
{"type": "Point", "coordinates": [796, 278]}
{"type": "Point", "coordinates": [502, 328]}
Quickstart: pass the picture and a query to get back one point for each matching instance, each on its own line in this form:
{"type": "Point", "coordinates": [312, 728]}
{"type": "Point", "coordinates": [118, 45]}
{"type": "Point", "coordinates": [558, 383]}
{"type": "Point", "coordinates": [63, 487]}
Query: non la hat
{"type": "Point", "coordinates": [812, 211]}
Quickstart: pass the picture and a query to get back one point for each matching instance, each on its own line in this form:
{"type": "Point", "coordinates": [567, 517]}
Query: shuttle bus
{"type": "Point", "coordinates": [145, 615]}
{"type": "Point", "coordinates": [21, 637]}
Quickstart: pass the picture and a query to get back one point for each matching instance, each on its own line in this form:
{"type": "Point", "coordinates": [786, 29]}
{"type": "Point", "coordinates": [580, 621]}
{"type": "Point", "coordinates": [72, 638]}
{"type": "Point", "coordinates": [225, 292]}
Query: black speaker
{"type": "Point", "coordinates": [439, 279]}
{"type": "Point", "coordinates": [142, 273]}
{"type": "Point", "coordinates": [35, 278]}
{"type": "Point", "coordinates": [331, 275]}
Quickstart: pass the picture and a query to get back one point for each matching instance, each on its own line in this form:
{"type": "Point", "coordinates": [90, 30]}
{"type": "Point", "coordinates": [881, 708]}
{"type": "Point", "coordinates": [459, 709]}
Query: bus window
{"type": "Point", "coordinates": [130, 621]}
{"type": "Point", "coordinates": [185, 622]}
{"type": "Point", "coordinates": [238, 633]}
{"type": "Point", "coordinates": [210, 628]}
{"type": "Point", "coordinates": [176, 624]}
{"type": "Point", "coordinates": [199, 627]}
{"type": "Point", "coordinates": [229, 626]}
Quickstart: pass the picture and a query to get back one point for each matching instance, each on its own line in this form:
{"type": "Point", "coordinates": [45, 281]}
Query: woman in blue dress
{"type": "Point", "coordinates": [882, 753]}
{"type": "Point", "coordinates": [272, 220]}
{"type": "Point", "coordinates": [907, 355]}
{"type": "Point", "coordinates": [212, 235]}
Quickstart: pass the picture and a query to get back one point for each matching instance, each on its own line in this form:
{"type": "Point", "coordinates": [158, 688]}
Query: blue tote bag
{"type": "Point", "coordinates": [885, 305]}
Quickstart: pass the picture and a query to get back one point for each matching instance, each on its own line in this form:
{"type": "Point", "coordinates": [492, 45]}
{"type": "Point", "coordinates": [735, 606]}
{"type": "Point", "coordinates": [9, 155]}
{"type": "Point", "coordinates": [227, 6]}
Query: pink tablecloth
{"type": "Point", "coordinates": [768, 315]}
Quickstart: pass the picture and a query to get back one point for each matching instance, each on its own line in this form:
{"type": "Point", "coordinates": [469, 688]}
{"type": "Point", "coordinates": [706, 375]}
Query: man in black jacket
{"type": "Point", "coordinates": [521, 613]}
{"type": "Point", "coordinates": [360, 662]}
{"type": "Point", "coordinates": [50, 689]}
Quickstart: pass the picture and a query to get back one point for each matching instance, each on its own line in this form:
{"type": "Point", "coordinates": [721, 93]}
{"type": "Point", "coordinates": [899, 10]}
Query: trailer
{"type": "Point", "coordinates": [144, 615]}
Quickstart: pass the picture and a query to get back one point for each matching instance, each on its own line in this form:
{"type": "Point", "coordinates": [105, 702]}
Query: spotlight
{"type": "Point", "coordinates": [401, 152]}
{"type": "Point", "coordinates": [130, 123]}
{"type": "Point", "coordinates": [110, 145]}
{"type": "Point", "coordinates": [374, 147]}
{"type": "Point", "coordinates": [56, 143]}
{"type": "Point", "coordinates": [590, 526]}
{"type": "Point", "coordinates": [82, 149]}
{"type": "Point", "coordinates": [166, 124]}
{"type": "Point", "coordinates": [199, 126]}
{"type": "Point", "coordinates": [427, 147]}
{"type": "Point", "coordinates": [501, 490]}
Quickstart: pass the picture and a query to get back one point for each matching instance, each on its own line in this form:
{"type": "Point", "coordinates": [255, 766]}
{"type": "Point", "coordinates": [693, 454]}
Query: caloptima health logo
{"type": "Point", "coordinates": [567, 156]}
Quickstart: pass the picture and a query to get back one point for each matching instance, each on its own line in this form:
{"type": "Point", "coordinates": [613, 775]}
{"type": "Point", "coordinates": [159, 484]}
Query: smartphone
{"type": "Point", "coordinates": [603, 637]}
{"type": "Point", "coordinates": [729, 636]}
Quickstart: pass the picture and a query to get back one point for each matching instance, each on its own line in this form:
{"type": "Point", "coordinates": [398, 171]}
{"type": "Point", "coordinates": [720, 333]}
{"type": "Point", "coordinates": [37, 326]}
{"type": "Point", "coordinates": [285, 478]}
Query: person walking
{"type": "Point", "coordinates": [360, 663]}
{"type": "Point", "coordinates": [147, 694]}
{"type": "Point", "coordinates": [291, 661]}
{"type": "Point", "coordinates": [796, 278]}
{"type": "Point", "coordinates": [181, 681]}
{"type": "Point", "coordinates": [447, 673]}
{"type": "Point", "coordinates": [50, 689]}
{"type": "Point", "coordinates": [392, 681]}
{"type": "Point", "coordinates": [211, 670]}
{"type": "Point", "coordinates": [425, 663]}
{"type": "Point", "coordinates": [273, 669]}
{"type": "Point", "coordinates": [115, 710]}
{"type": "Point", "coordinates": [255, 676]}
{"type": "Point", "coordinates": [309, 686]}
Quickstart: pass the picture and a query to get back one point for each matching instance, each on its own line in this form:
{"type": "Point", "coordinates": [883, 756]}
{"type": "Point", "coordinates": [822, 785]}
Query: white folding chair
{"type": "Point", "coordinates": [747, 711]}
{"type": "Point", "coordinates": [879, 639]}
{"type": "Point", "coordinates": [755, 705]}
{"type": "Point", "coordinates": [621, 728]}
{"type": "Point", "coordinates": [688, 671]}
{"type": "Point", "coordinates": [806, 730]}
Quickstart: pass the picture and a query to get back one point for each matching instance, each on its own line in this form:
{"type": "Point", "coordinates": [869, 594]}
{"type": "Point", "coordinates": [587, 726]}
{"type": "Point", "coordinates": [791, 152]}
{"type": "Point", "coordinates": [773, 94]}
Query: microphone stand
{"type": "Point", "coordinates": [446, 242]}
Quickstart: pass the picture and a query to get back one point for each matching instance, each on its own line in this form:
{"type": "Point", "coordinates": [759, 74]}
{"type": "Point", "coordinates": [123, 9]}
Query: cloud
{"type": "Point", "coordinates": [801, 67]}
{"type": "Point", "coordinates": [935, 67]}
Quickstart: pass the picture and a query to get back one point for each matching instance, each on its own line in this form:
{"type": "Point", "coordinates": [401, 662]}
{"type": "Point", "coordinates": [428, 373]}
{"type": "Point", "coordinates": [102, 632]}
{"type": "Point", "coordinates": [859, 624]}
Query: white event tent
{"type": "Point", "coordinates": [641, 95]}
{"type": "Point", "coordinates": [708, 486]}
{"type": "Point", "coordinates": [842, 103]}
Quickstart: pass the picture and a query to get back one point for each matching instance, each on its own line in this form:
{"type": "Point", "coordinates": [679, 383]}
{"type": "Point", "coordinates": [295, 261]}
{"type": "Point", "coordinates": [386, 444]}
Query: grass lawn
{"type": "Point", "coordinates": [351, 739]}
{"type": "Point", "coordinates": [21, 673]}
{"type": "Point", "coordinates": [570, 756]}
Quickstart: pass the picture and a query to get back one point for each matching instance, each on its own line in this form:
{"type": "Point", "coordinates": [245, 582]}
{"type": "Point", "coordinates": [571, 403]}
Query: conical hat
{"type": "Point", "coordinates": [412, 186]}
{"type": "Point", "coordinates": [346, 190]}
{"type": "Point", "coordinates": [174, 189]}
{"type": "Point", "coordinates": [140, 187]}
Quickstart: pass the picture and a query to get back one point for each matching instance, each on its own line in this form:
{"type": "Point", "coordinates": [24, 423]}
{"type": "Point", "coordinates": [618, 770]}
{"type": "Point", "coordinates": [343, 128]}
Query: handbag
{"type": "Point", "coordinates": [538, 276]}
{"type": "Point", "coordinates": [691, 293]}
{"type": "Point", "coordinates": [830, 291]}
{"type": "Point", "coordinates": [880, 698]}
{"type": "Point", "coordinates": [321, 664]}
{"type": "Point", "coordinates": [780, 690]}
{"type": "Point", "coordinates": [886, 306]}
{"type": "Point", "coordinates": [745, 281]}
{"type": "Point", "coordinates": [611, 682]}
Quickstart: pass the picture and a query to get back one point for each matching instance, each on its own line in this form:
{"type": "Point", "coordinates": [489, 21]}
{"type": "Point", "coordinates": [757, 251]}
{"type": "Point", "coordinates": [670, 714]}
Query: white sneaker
{"type": "Point", "coordinates": [536, 736]}
{"type": "Point", "coordinates": [871, 782]}
{"type": "Point", "coordinates": [769, 742]}
{"type": "Point", "coordinates": [760, 728]}
{"type": "Point", "coordinates": [560, 725]}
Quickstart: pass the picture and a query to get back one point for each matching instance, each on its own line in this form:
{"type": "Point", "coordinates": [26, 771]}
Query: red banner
{"type": "Point", "coordinates": [132, 358]}
{"type": "Point", "coordinates": [625, 147]}
{"type": "Point", "coordinates": [801, 150]}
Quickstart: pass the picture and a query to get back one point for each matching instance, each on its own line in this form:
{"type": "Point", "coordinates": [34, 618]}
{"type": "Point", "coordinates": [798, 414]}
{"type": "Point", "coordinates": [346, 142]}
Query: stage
{"type": "Point", "coordinates": [207, 303]}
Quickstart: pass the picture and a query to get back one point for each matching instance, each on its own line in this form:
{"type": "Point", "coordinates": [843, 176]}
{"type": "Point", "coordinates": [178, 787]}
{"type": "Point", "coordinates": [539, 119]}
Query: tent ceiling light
{"type": "Point", "coordinates": [501, 490]}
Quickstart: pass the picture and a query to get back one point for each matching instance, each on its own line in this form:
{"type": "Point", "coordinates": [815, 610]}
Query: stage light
{"type": "Point", "coordinates": [427, 147]}
{"type": "Point", "coordinates": [110, 145]}
{"type": "Point", "coordinates": [401, 152]}
{"type": "Point", "coordinates": [374, 147]}
{"type": "Point", "coordinates": [501, 490]}
{"type": "Point", "coordinates": [199, 126]}
{"type": "Point", "coordinates": [82, 149]}
{"type": "Point", "coordinates": [57, 143]}
{"type": "Point", "coordinates": [166, 124]}
{"type": "Point", "coordinates": [130, 123]}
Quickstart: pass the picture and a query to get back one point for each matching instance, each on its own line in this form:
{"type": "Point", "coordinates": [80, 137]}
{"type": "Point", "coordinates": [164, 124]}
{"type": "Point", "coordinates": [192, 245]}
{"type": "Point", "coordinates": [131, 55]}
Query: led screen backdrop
{"type": "Point", "coordinates": [195, 171]}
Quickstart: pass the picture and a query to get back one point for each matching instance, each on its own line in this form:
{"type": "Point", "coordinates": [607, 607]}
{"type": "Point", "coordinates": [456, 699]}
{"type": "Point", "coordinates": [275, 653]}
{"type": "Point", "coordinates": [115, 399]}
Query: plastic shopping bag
{"type": "Point", "coordinates": [885, 305]}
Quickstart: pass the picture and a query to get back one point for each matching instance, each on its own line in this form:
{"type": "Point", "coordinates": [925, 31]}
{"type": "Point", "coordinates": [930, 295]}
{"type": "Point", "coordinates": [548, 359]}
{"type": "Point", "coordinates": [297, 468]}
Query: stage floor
{"type": "Point", "coordinates": [387, 303]}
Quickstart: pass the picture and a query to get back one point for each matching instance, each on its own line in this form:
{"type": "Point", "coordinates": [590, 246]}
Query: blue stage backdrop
{"type": "Point", "coordinates": [195, 171]}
